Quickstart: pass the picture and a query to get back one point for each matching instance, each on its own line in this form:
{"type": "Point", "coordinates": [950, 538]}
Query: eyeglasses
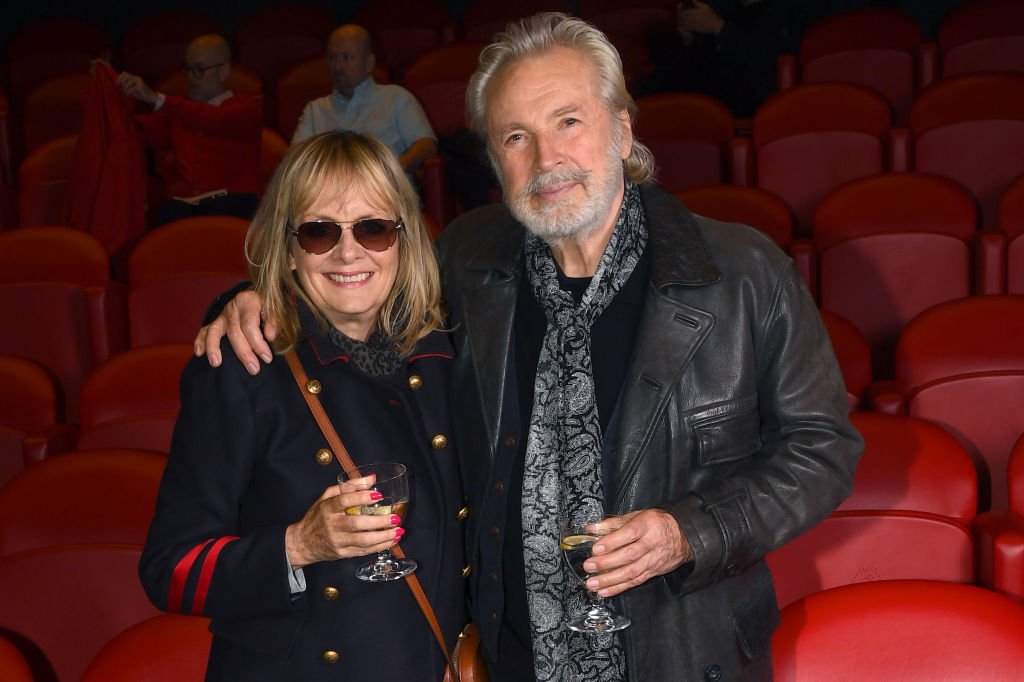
{"type": "Point", "coordinates": [198, 71]}
{"type": "Point", "coordinates": [320, 236]}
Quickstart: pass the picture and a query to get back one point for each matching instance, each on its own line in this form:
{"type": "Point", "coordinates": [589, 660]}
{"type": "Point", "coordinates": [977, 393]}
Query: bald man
{"type": "Point", "coordinates": [213, 134]}
{"type": "Point", "coordinates": [388, 112]}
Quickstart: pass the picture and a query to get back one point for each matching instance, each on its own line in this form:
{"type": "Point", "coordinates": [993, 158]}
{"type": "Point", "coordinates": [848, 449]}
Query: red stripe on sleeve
{"type": "Point", "coordinates": [206, 575]}
{"type": "Point", "coordinates": [180, 577]}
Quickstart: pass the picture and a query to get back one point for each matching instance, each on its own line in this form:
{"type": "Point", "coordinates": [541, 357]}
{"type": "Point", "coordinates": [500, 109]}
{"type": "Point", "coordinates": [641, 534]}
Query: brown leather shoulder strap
{"type": "Point", "coordinates": [309, 390]}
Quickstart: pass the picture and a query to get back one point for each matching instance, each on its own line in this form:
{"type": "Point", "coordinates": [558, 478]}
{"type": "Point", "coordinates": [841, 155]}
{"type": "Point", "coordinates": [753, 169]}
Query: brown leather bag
{"type": "Point", "coordinates": [466, 662]}
{"type": "Point", "coordinates": [467, 658]}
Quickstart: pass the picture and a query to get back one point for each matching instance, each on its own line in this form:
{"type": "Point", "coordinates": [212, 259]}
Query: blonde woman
{"type": "Point", "coordinates": [250, 527]}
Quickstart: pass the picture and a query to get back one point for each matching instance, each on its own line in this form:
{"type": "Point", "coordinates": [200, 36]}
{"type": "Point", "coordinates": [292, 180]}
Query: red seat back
{"type": "Point", "coordinates": [55, 254]}
{"type": "Point", "coordinates": [81, 497]}
{"type": "Point", "coordinates": [64, 603]}
{"type": "Point", "coordinates": [917, 631]}
{"type": "Point", "coordinates": [752, 206]}
{"type": "Point", "coordinates": [201, 244]}
{"type": "Point", "coordinates": [132, 400]}
{"type": "Point", "coordinates": [912, 465]}
{"type": "Point", "coordinates": [53, 330]}
{"type": "Point", "coordinates": [171, 309]}
{"type": "Point", "coordinates": [688, 134]}
{"type": "Point", "coordinates": [403, 30]}
{"type": "Point", "coordinates": [438, 79]}
{"type": "Point", "coordinates": [812, 138]}
{"type": "Point", "coordinates": [166, 648]}
{"type": "Point", "coordinates": [890, 246]}
{"type": "Point", "coordinates": [43, 182]}
{"type": "Point", "coordinates": [862, 546]}
{"type": "Point", "coordinates": [983, 35]}
{"type": "Point", "coordinates": [962, 363]}
{"type": "Point", "coordinates": [876, 47]}
{"type": "Point", "coordinates": [971, 128]}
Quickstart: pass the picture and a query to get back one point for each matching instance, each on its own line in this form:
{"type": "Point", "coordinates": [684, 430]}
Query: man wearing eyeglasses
{"type": "Point", "coordinates": [358, 103]}
{"type": "Point", "coordinates": [213, 136]}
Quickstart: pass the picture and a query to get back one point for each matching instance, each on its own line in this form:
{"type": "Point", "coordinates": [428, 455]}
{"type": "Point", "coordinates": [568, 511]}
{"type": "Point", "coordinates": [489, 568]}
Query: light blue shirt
{"type": "Point", "coordinates": [388, 112]}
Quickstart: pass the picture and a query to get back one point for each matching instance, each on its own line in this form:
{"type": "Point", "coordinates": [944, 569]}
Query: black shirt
{"type": "Point", "coordinates": [612, 339]}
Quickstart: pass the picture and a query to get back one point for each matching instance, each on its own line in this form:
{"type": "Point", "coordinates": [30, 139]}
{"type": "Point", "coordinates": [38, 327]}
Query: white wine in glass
{"type": "Point", "coordinates": [577, 545]}
{"type": "Point", "coordinates": [392, 482]}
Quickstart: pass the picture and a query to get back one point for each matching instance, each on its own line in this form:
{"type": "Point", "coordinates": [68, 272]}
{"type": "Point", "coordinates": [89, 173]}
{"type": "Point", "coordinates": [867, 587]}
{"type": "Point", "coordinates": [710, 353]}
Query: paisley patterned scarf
{"type": "Point", "coordinates": [563, 452]}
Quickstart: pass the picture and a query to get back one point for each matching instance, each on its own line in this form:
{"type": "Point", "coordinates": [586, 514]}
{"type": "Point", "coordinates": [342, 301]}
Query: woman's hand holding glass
{"type": "Point", "coordinates": [327, 532]}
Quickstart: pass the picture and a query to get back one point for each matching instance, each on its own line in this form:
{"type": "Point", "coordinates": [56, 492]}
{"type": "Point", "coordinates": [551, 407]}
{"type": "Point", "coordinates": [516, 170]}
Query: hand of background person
{"type": "Point", "coordinates": [240, 321]}
{"type": "Point", "coordinates": [700, 18]}
{"type": "Point", "coordinates": [134, 86]}
{"type": "Point", "coordinates": [643, 545]}
{"type": "Point", "coordinates": [327, 533]}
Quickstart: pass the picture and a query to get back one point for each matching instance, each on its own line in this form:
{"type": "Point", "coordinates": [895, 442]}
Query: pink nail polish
{"type": "Point", "coordinates": [375, 496]}
{"type": "Point", "coordinates": [395, 519]}
{"type": "Point", "coordinates": [399, 532]}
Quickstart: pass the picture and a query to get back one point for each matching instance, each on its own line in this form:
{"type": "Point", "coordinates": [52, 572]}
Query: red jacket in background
{"type": "Point", "coordinates": [107, 188]}
{"type": "Point", "coordinates": [213, 146]}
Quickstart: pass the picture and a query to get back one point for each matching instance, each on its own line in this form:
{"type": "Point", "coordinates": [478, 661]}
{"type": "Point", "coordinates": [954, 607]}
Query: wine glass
{"type": "Point", "coordinates": [577, 536]}
{"type": "Point", "coordinates": [392, 482]}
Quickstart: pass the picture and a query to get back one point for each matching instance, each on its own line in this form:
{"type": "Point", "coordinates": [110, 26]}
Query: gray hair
{"type": "Point", "coordinates": [539, 33]}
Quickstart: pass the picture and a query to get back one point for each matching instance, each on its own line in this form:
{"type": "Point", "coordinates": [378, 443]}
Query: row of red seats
{"type": "Point", "coordinates": [75, 523]}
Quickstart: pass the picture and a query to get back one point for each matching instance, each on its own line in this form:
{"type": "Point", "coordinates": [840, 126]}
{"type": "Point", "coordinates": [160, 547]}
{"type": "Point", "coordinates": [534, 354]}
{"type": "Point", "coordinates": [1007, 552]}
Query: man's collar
{"type": "Point", "coordinates": [360, 91]}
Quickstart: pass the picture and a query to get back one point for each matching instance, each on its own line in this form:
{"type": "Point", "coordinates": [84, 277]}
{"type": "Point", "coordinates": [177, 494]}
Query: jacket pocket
{"type": "Point", "coordinates": [726, 432]}
{"type": "Point", "coordinates": [757, 617]}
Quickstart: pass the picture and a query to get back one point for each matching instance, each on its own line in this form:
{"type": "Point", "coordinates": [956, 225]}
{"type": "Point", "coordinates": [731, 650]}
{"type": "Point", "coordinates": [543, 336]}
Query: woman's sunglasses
{"type": "Point", "coordinates": [374, 234]}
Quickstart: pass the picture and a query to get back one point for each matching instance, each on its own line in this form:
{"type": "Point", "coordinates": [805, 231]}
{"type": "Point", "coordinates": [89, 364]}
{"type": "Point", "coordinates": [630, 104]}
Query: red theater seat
{"type": "Point", "coordinates": [889, 246]}
{"type": "Point", "coordinates": [913, 631]}
{"type": "Point", "coordinates": [132, 400]}
{"type": "Point", "coordinates": [961, 365]}
{"type": "Point", "coordinates": [877, 47]}
{"type": "Point", "coordinates": [171, 309]}
{"type": "Point", "coordinates": [748, 205]}
{"type": "Point", "coordinates": [864, 546]}
{"type": "Point", "coordinates": [29, 430]}
{"type": "Point", "coordinates": [971, 128]}
{"type": "Point", "coordinates": [983, 35]}
{"type": "Point", "coordinates": [64, 603]}
{"type": "Point", "coordinates": [810, 139]}
{"type": "Point", "coordinates": [153, 46]}
{"type": "Point", "coordinates": [43, 183]}
{"type": "Point", "coordinates": [403, 30]}
{"type": "Point", "coordinates": [201, 244]}
{"type": "Point", "coordinates": [166, 648]}
{"type": "Point", "coordinates": [81, 497]}
{"type": "Point", "coordinates": [690, 136]}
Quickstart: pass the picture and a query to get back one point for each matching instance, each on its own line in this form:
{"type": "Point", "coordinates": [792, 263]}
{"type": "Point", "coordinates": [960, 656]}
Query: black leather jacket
{"type": "Point", "coordinates": [732, 417]}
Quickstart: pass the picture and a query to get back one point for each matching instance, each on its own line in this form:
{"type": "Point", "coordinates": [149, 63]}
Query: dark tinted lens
{"type": "Point", "coordinates": [375, 234]}
{"type": "Point", "coordinates": [318, 237]}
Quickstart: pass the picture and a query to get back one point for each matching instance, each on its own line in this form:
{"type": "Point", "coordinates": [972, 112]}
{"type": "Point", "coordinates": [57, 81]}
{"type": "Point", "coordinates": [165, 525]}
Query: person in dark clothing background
{"type": "Point", "coordinates": [727, 49]}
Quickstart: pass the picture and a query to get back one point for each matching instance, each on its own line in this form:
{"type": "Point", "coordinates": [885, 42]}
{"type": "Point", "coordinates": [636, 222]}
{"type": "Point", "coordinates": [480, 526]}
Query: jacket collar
{"type": "Point", "coordinates": [680, 256]}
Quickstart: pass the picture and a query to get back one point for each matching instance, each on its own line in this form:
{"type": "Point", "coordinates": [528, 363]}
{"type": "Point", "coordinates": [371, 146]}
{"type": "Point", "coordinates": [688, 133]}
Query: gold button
{"type": "Point", "coordinates": [324, 456]}
{"type": "Point", "coordinates": [415, 382]}
{"type": "Point", "coordinates": [314, 387]}
{"type": "Point", "coordinates": [466, 571]}
{"type": "Point", "coordinates": [331, 593]}
{"type": "Point", "coordinates": [499, 486]}
{"type": "Point", "coordinates": [510, 441]}
{"type": "Point", "coordinates": [463, 513]}
{"type": "Point", "coordinates": [494, 531]}
{"type": "Point", "coordinates": [439, 441]}
{"type": "Point", "coordinates": [331, 656]}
